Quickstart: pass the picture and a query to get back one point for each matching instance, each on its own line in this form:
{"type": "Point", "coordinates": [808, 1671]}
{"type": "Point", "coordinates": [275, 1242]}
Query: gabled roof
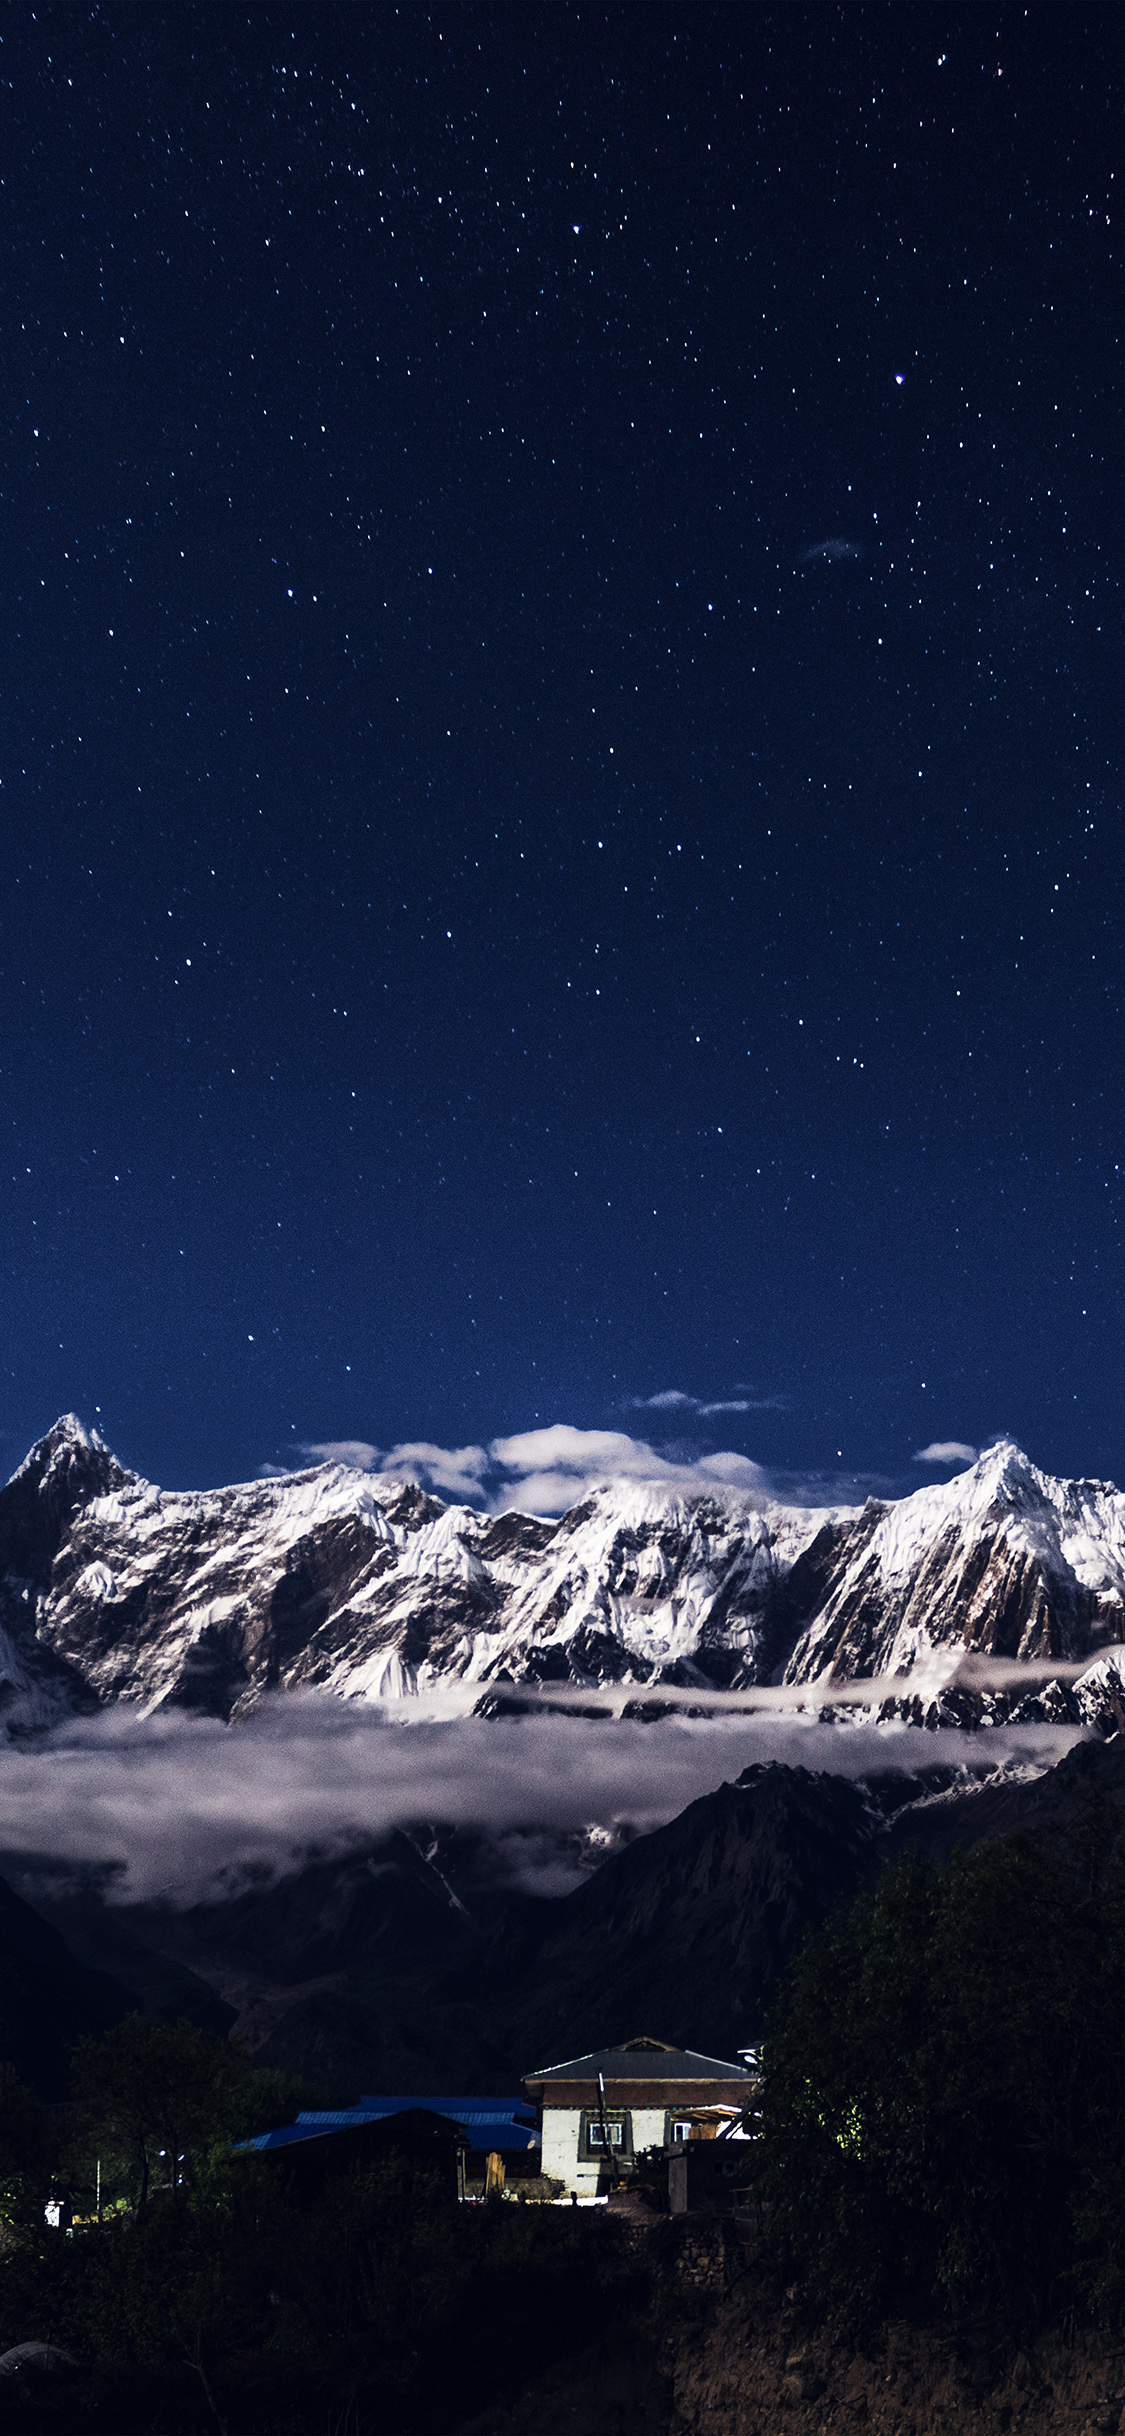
{"type": "Point", "coordinates": [643, 2060]}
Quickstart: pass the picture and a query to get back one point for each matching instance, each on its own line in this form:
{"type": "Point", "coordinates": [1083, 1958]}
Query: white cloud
{"type": "Point", "coordinates": [946, 1450]}
{"type": "Point", "coordinates": [355, 1452]}
{"type": "Point", "coordinates": [453, 1471]}
{"type": "Point", "coordinates": [541, 1470]}
{"type": "Point", "coordinates": [548, 1469]}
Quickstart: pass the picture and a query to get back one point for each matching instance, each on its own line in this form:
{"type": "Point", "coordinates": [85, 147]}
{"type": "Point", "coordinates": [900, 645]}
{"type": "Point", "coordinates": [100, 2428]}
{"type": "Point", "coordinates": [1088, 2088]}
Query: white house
{"type": "Point", "coordinates": [621, 2100]}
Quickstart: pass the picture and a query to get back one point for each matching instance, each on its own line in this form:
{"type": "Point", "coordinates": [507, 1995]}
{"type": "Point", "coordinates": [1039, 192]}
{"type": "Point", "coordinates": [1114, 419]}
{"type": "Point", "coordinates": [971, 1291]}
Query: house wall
{"type": "Point", "coordinates": [560, 2150]}
{"type": "Point", "coordinates": [561, 2129]}
{"type": "Point", "coordinates": [644, 2093]}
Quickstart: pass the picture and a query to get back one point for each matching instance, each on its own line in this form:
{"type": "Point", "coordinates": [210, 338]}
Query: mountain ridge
{"type": "Point", "coordinates": [112, 1589]}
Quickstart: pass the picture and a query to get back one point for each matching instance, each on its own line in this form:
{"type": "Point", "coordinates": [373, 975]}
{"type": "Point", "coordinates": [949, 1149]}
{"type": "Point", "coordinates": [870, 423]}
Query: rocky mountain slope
{"type": "Point", "coordinates": [383, 1969]}
{"type": "Point", "coordinates": [686, 1933]}
{"type": "Point", "coordinates": [112, 1589]}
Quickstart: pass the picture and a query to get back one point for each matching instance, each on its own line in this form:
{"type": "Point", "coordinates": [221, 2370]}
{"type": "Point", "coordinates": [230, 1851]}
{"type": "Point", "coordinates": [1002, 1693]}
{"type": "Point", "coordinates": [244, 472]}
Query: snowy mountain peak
{"type": "Point", "coordinates": [66, 1436]}
{"type": "Point", "coordinates": [62, 1473]}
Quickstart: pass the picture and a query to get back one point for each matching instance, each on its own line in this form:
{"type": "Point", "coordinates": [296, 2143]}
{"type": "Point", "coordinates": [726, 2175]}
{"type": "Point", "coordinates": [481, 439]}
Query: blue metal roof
{"type": "Point", "coordinates": [287, 2133]}
{"type": "Point", "coordinates": [490, 2122]}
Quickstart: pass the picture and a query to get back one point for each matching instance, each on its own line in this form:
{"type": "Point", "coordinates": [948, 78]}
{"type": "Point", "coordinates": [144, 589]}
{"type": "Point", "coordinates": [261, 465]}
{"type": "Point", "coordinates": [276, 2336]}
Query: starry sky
{"type": "Point", "coordinates": [561, 729]}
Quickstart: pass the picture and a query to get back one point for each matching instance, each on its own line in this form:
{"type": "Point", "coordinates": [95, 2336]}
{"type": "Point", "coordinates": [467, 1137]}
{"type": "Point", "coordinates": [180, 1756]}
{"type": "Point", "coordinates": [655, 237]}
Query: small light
{"type": "Point", "coordinates": [899, 379]}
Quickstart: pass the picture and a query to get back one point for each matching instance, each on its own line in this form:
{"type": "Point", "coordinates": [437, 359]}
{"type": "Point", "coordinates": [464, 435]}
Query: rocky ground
{"type": "Point", "coordinates": [705, 2344]}
{"type": "Point", "coordinates": [724, 2354]}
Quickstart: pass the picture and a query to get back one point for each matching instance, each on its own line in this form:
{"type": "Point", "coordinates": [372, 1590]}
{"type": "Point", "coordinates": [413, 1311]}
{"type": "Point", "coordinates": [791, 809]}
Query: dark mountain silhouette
{"type": "Point", "coordinates": [47, 1998]}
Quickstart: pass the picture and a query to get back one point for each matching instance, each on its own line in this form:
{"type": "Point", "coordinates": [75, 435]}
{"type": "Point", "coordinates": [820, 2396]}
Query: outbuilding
{"type": "Point", "coordinates": [600, 2111]}
{"type": "Point", "coordinates": [463, 2133]}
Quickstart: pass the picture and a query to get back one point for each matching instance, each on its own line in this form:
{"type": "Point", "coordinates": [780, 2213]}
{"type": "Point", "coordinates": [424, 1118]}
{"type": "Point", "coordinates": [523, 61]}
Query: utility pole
{"type": "Point", "coordinates": [613, 2173]}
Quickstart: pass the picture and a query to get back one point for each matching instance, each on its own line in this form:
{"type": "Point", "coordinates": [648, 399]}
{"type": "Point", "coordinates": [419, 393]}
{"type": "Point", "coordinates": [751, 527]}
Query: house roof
{"type": "Point", "coordinates": [345, 2128]}
{"type": "Point", "coordinates": [643, 2060]}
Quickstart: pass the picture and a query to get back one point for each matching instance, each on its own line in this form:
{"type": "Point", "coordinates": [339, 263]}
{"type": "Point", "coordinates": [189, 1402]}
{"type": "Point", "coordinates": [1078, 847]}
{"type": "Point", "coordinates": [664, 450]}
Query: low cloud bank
{"type": "Point", "coordinates": [178, 1802]}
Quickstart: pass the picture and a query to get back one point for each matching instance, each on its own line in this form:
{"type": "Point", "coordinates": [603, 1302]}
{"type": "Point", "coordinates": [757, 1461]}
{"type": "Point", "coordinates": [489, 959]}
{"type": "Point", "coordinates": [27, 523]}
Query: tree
{"type": "Point", "coordinates": [159, 2101]}
{"type": "Point", "coordinates": [28, 2148]}
{"type": "Point", "coordinates": [944, 2105]}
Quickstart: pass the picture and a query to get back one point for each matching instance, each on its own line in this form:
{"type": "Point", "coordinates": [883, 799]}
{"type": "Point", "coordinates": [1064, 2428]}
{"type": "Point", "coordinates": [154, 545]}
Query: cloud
{"type": "Point", "coordinates": [545, 1470]}
{"type": "Point", "coordinates": [673, 1400]}
{"type": "Point", "coordinates": [548, 1469]}
{"type": "Point", "coordinates": [180, 1803]}
{"type": "Point", "coordinates": [355, 1452]}
{"type": "Point", "coordinates": [835, 547]}
{"type": "Point", "coordinates": [454, 1471]}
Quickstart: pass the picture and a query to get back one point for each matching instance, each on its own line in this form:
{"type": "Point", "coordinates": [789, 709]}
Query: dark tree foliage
{"type": "Point", "coordinates": [28, 2151]}
{"type": "Point", "coordinates": [157, 2102]}
{"type": "Point", "coordinates": [214, 2271]}
{"type": "Point", "coordinates": [944, 2110]}
{"type": "Point", "coordinates": [376, 2294]}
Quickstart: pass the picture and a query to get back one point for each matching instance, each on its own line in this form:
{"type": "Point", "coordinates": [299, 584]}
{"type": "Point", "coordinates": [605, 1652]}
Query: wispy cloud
{"type": "Point", "coordinates": [947, 1450]}
{"type": "Point", "coordinates": [355, 1452]}
{"type": "Point", "coordinates": [673, 1400]}
{"type": "Point", "coordinates": [834, 547]}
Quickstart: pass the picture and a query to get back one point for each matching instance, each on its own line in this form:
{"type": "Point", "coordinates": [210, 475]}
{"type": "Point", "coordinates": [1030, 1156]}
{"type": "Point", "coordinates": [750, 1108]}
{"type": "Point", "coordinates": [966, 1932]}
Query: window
{"type": "Point", "coordinates": [679, 2130]}
{"type": "Point", "coordinates": [592, 2133]}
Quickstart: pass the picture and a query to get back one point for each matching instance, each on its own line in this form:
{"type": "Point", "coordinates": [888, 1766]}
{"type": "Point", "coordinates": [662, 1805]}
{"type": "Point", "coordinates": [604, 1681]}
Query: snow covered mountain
{"type": "Point", "coordinates": [111, 1589]}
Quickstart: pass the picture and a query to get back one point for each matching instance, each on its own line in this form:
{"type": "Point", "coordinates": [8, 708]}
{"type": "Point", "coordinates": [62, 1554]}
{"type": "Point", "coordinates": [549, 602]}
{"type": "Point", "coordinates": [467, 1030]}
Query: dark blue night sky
{"type": "Point", "coordinates": [561, 728]}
